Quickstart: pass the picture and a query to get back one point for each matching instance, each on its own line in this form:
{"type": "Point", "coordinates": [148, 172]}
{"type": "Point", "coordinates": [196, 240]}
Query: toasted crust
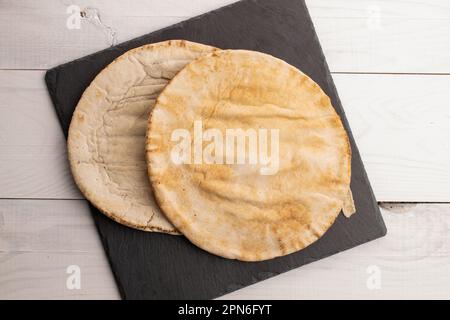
{"type": "Point", "coordinates": [106, 142]}
{"type": "Point", "coordinates": [231, 210]}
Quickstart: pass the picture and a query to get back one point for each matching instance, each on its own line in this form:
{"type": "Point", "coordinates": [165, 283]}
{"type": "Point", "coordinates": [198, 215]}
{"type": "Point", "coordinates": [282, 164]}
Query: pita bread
{"type": "Point", "coordinates": [106, 142]}
{"type": "Point", "coordinates": [231, 210]}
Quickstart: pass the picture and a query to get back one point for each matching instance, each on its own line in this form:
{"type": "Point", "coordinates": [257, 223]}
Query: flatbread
{"type": "Point", "coordinates": [233, 210]}
{"type": "Point", "coordinates": [106, 142]}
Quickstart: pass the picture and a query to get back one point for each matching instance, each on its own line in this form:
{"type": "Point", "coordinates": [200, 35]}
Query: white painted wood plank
{"type": "Point", "coordinates": [413, 259]}
{"type": "Point", "coordinates": [43, 275]}
{"type": "Point", "coordinates": [136, 8]}
{"type": "Point", "coordinates": [357, 36]}
{"type": "Point", "coordinates": [422, 9]}
{"type": "Point", "coordinates": [435, 9]}
{"type": "Point", "coordinates": [48, 226]}
{"type": "Point", "coordinates": [39, 240]}
{"type": "Point", "coordinates": [51, 43]}
{"type": "Point", "coordinates": [413, 262]}
{"type": "Point", "coordinates": [33, 161]}
{"type": "Point", "coordinates": [385, 45]}
{"type": "Point", "coordinates": [400, 123]}
{"type": "Point", "coordinates": [401, 126]}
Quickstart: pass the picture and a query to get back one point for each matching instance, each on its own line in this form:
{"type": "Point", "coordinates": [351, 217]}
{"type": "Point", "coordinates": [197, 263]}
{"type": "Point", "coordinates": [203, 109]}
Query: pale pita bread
{"type": "Point", "coordinates": [106, 142]}
{"type": "Point", "coordinates": [232, 210]}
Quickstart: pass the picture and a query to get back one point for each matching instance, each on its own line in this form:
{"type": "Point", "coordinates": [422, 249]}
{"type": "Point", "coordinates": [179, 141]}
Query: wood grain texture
{"type": "Point", "coordinates": [417, 9]}
{"type": "Point", "coordinates": [413, 262]}
{"type": "Point", "coordinates": [415, 254]}
{"type": "Point", "coordinates": [401, 127]}
{"type": "Point", "coordinates": [400, 124]}
{"type": "Point", "coordinates": [386, 113]}
{"type": "Point", "coordinates": [39, 239]}
{"type": "Point", "coordinates": [48, 226]}
{"type": "Point", "coordinates": [33, 161]}
{"type": "Point", "coordinates": [357, 36]}
{"type": "Point", "coordinates": [391, 45]}
{"type": "Point", "coordinates": [43, 275]}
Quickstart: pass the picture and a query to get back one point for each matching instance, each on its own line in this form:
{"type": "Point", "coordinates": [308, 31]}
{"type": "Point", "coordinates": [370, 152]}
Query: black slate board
{"type": "Point", "coordinates": [158, 266]}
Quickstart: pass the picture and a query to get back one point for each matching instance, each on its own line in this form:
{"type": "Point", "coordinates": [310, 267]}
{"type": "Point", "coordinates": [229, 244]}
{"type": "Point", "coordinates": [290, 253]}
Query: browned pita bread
{"type": "Point", "coordinates": [106, 142]}
{"type": "Point", "coordinates": [232, 210]}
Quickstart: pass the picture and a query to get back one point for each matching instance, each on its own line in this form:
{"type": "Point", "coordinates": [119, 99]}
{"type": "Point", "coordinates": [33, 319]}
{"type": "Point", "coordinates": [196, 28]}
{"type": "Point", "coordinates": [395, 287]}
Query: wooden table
{"type": "Point", "coordinates": [391, 64]}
